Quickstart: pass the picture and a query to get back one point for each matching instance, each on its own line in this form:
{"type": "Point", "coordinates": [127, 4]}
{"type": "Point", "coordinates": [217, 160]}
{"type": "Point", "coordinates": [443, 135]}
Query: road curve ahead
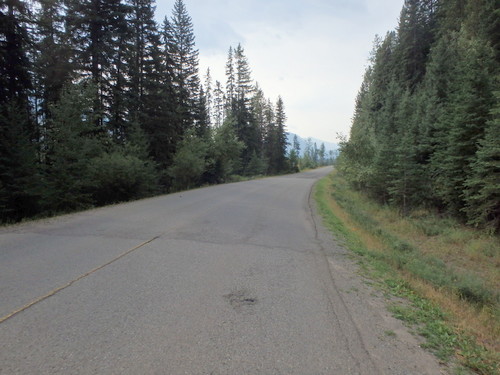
{"type": "Point", "coordinates": [232, 279]}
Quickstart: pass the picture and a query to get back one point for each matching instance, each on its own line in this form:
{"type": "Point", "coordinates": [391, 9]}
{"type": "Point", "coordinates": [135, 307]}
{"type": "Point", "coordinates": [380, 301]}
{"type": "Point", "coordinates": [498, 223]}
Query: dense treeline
{"type": "Point", "coordinates": [426, 128]}
{"type": "Point", "coordinates": [100, 104]}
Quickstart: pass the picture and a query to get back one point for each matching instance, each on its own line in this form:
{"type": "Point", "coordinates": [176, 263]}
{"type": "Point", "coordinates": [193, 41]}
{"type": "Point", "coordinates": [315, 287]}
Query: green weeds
{"type": "Point", "coordinates": [394, 261]}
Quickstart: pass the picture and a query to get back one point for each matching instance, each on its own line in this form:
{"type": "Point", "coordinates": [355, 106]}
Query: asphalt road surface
{"type": "Point", "coordinates": [231, 279]}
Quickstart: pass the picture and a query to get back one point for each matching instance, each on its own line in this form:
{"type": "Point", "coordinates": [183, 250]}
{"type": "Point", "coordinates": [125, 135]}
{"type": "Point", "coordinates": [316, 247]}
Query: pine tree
{"type": "Point", "coordinates": [269, 135]}
{"type": "Point", "coordinates": [322, 154]}
{"type": "Point", "coordinates": [307, 160]}
{"type": "Point", "coordinates": [18, 160]}
{"type": "Point", "coordinates": [416, 34]}
{"type": "Point", "coordinates": [153, 122]}
{"type": "Point", "coordinates": [181, 51]}
{"type": "Point", "coordinates": [97, 29]}
{"type": "Point", "coordinates": [145, 67]}
{"type": "Point", "coordinates": [224, 153]}
{"type": "Point", "coordinates": [19, 172]}
{"type": "Point", "coordinates": [482, 187]}
{"type": "Point", "coordinates": [219, 105]}
{"type": "Point", "coordinates": [296, 144]}
{"type": "Point", "coordinates": [243, 84]}
{"type": "Point", "coordinates": [259, 106]}
{"type": "Point", "coordinates": [52, 67]}
{"type": "Point", "coordinates": [464, 120]}
{"type": "Point", "coordinates": [209, 95]}
{"type": "Point", "coordinates": [230, 80]}
{"type": "Point", "coordinates": [73, 142]}
{"type": "Point", "coordinates": [280, 139]}
{"type": "Point", "coordinates": [238, 92]}
{"type": "Point", "coordinates": [424, 127]}
{"type": "Point", "coordinates": [14, 63]}
{"type": "Point", "coordinates": [189, 162]}
{"type": "Point", "coordinates": [202, 119]}
{"type": "Point", "coordinates": [405, 173]}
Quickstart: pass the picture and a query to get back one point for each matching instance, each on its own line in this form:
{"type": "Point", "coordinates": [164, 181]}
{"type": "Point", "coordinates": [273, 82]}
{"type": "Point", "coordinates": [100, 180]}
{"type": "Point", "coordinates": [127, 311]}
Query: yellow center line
{"type": "Point", "coordinates": [57, 290]}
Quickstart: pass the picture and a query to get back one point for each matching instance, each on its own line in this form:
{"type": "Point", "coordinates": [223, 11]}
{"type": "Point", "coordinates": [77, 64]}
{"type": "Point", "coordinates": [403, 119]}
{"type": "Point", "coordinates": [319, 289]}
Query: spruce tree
{"type": "Point", "coordinates": [219, 105]}
{"type": "Point", "coordinates": [482, 187]}
{"type": "Point", "coordinates": [258, 106]}
{"type": "Point", "coordinates": [280, 138]}
{"type": "Point", "coordinates": [73, 143]}
{"type": "Point", "coordinates": [464, 121]}
{"type": "Point", "coordinates": [243, 84]}
{"type": "Point", "coordinates": [240, 87]}
{"type": "Point", "coordinates": [19, 187]}
{"type": "Point", "coordinates": [97, 30]}
{"type": "Point", "coordinates": [52, 66]}
{"type": "Point", "coordinates": [230, 80]}
{"type": "Point", "coordinates": [182, 54]}
{"type": "Point", "coordinates": [415, 36]}
{"type": "Point", "coordinates": [296, 144]}
{"type": "Point", "coordinates": [209, 97]}
{"type": "Point", "coordinates": [424, 126]}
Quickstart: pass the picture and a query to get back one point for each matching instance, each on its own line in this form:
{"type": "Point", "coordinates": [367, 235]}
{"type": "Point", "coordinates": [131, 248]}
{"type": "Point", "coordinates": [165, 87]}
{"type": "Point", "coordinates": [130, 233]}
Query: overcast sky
{"type": "Point", "coordinates": [311, 52]}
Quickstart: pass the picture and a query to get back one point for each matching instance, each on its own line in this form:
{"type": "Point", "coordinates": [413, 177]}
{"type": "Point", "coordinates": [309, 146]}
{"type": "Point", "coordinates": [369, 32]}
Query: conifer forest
{"type": "Point", "coordinates": [100, 104]}
{"type": "Point", "coordinates": [426, 127]}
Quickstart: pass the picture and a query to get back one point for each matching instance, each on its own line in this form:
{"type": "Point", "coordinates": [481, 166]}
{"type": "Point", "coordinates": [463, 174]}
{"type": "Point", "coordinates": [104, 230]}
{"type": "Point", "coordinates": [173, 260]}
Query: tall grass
{"type": "Point", "coordinates": [448, 272]}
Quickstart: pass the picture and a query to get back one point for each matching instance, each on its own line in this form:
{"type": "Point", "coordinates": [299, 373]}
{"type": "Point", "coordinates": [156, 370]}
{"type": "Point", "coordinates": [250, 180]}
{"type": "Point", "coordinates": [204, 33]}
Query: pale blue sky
{"type": "Point", "coordinates": [311, 52]}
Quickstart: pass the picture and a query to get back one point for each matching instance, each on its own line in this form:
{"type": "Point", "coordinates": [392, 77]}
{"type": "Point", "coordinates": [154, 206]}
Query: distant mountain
{"type": "Point", "coordinates": [329, 146]}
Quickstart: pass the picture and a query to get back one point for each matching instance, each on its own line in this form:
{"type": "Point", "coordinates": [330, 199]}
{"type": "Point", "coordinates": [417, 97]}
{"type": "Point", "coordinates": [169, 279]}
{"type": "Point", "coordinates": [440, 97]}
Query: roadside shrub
{"type": "Point", "coordinates": [115, 177]}
{"type": "Point", "coordinates": [189, 162]}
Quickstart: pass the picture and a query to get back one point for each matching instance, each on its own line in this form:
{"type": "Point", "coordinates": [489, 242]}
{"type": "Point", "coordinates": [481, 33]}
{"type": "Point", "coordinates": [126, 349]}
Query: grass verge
{"type": "Point", "coordinates": [448, 273]}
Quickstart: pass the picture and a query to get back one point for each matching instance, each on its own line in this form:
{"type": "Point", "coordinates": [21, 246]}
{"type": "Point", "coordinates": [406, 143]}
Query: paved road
{"type": "Point", "coordinates": [231, 279]}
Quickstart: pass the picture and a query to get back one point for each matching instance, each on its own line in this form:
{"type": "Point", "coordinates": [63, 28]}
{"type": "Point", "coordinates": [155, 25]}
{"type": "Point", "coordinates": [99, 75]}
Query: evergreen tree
{"type": "Point", "coordinates": [219, 105]}
{"type": "Point", "coordinates": [15, 80]}
{"type": "Point", "coordinates": [425, 118]}
{"type": "Point", "coordinates": [238, 96]}
{"type": "Point", "coordinates": [293, 161]}
{"type": "Point", "coordinates": [73, 142]}
{"type": "Point", "coordinates": [209, 97]}
{"type": "Point", "coordinates": [19, 172]}
{"type": "Point", "coordinates": [230, 80]}
{"type": "Point", "coordinates": [269, 135]}
{"type": "Point", "coordinates": [296, 144]}
{"type": "Point", "coordinates": [145, 66]}
{"type": "Point", "coordinates": [180, 49]}
{"type": "Point", "coordinates": [243, 85]}
{"type": "Point", "coordinates": [482, 187]}
{"type": "Point", "coordinates": [224, 153]}
{"type": "Point", "coordinates": [259, 107]}
{"type": "Point", "coordinates": [257, 165]}
{"type": "Point", "coordinates": [464, 121]}
{"type": "Point", "coordinates": [280, 138]}
{"type": "Point", "coordinates": [415, 36]}
{"type": "Point", "coordinates": [189, 161]}
{"type": "Point", "coordinates": [96, 29]}
{"type": "Point", "coordinates": [18, 136]}
{"type": "Point", "coordinates": [153, 121]}
{"type": "Point", "coordinates": [98, 106]}
{"type": "Point", "coordinates": [203, 118]}
{"type": "Point", "coordinates": [52, 67]}
{"type": "Point", "coordinates": [322, 154]}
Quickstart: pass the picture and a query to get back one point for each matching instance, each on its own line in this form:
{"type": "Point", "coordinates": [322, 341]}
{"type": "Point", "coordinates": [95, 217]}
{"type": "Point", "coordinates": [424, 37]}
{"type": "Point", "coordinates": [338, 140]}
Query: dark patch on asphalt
{"type": "Point", "coordinates": [241, 300]}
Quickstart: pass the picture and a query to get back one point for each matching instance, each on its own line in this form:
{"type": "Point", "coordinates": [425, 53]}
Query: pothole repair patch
{"type": "Point", "coordinates": [240, 299]}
